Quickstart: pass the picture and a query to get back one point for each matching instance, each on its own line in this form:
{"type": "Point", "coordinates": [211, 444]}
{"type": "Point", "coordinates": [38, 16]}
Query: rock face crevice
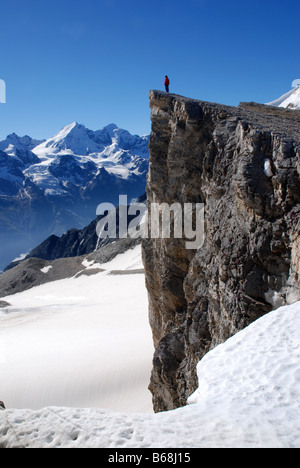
{"type": "Point", "coordinates": [244, 164]}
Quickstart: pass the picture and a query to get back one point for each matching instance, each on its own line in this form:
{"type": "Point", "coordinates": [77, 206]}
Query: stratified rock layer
{"type": "Point", "coordinates": [244, 165]}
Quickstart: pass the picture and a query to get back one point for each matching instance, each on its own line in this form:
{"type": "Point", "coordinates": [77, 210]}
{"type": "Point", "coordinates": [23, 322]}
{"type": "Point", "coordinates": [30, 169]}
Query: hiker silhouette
{"type": "Point", "coordinates": [167, 83]}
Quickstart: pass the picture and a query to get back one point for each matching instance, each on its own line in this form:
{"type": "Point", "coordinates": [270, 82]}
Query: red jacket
{"type": "Point", "coordinates": [167, 81]}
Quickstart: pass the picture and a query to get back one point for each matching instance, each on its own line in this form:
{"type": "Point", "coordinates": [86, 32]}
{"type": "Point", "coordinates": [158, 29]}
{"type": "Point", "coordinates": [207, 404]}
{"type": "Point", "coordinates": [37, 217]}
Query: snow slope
{"type": "Point", "coordinates": [74, 342]}
{"type": "Point", "coordinates": [248, 396]}
{"type": "Point", "coordinates": [290, 100]}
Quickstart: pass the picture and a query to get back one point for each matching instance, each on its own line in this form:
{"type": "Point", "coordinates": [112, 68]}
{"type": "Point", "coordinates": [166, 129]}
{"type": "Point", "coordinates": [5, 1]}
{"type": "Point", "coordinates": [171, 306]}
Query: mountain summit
{"type": "Point", "coordinates": [289, 100]}
{"type": "Point", "coordinates": [78, 140]}
{"type": "Point", "coordinates": [73, 139]}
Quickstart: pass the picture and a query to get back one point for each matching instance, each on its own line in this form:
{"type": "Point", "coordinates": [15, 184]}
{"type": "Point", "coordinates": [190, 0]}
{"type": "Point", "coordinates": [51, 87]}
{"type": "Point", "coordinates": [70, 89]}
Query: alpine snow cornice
{"type": "Point", "coordinates": [244, 164]}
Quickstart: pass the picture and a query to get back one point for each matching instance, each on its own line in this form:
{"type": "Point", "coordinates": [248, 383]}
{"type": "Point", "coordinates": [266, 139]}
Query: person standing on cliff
{"type": "Point", "coordinates": [167, 83]}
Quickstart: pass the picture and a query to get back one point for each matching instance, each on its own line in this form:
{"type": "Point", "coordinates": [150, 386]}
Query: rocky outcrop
{"type": "Point", "coordinates": [36, 271]}
{"type": "Point", "coordinates": [244, 164]}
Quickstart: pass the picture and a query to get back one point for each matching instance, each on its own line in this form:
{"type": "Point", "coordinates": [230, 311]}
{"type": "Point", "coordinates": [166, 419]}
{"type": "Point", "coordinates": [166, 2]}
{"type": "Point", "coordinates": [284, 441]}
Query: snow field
{"type": "Point", "coordinates": [80, 342]}
{"type": "Point", "coordinates": [248, 397]}
{"type": "Point", "coordinates": [249, 386]}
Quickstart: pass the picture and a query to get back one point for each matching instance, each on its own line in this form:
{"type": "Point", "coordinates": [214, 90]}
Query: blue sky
{"type": "Point", "coordinates": [94, 61]}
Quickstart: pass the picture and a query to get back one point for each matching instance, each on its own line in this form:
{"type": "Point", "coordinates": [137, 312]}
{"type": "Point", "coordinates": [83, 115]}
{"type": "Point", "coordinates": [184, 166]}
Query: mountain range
{"type": "Point", "coordinates": [50, 186]}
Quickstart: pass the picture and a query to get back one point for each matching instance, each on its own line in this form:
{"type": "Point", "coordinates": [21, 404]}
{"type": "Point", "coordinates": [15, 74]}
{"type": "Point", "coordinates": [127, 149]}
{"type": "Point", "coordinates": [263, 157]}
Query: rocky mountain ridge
{"type": "Point", "coordinates": [244, 165]}
{"type": "Point", "coordinates": [35, 271]}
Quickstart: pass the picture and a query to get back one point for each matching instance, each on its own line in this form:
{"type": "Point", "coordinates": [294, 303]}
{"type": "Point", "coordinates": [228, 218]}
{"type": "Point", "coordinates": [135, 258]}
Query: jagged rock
{"type": "Point", "coordinates": [249, 263]}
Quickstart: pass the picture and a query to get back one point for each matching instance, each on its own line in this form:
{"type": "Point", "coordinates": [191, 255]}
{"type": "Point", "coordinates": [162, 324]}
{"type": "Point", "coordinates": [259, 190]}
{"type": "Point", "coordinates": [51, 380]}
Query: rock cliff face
{"type": "Point", "coordinates": [244, 164]}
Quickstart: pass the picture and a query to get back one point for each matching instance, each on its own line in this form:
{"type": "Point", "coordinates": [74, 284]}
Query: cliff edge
{"type": "Point", "coordinates": [243, 164]}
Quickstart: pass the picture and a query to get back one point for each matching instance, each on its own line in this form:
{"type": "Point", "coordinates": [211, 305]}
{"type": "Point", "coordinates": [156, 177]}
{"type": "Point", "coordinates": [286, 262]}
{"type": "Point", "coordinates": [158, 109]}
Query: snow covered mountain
{"type": "Point", "coordinates": [50, 186]}
{"type": "Point", "coordinates": [289, 100]}
{"type": "Point", "coordinates": [77, 156]}
{"type": "Point", "coordinates": [20, 148]}
{"type": "Point", "coordinates": [76, 139]}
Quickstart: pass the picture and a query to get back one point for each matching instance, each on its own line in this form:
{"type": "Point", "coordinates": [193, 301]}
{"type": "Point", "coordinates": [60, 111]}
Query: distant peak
{"type": "Point", "coordinates": [290, 100]}
{"type": "Point", "coordinates": [111, 126]}
{"type": "Point", "coordinates": [14, 136]}
{"type": "Point", "coordinates": [72, 125]}
{"type": "Point", "coordinates": [70, 129]}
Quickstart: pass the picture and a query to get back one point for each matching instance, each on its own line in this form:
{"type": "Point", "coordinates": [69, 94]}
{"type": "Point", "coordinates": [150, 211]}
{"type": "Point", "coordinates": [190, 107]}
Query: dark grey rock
{"type": "Point", "coordinates": [250, 262]}
{"type": "Point", "coordinates": [34, 272]}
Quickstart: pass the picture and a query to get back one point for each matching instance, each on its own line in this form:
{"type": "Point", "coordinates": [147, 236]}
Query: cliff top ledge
{"type": "Point", "coordinates": [277, 119]}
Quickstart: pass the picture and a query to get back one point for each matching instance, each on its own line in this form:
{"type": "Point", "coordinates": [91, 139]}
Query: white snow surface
{"type": "Point", "coordinates": [268, 168]}
{"type": "Point", "coordinates": [75, 363]}
{"type": "Point", "coordinates": [46, 269]}
{"type": "Point", "coordinates": [248, 395]}
{"type": "Point", "coordinates": [82, 341]}
{"type": "Point", "coordinates": [290, 100]}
